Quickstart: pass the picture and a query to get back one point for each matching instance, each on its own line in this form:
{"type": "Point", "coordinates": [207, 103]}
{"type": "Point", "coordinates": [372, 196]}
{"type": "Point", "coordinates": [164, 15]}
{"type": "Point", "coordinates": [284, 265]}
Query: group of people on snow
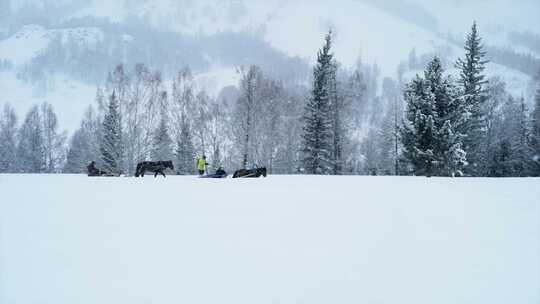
{"type": "Point", "coordinates": [202, 168]}
{"type": "Point", "coordinates": [201, 165]}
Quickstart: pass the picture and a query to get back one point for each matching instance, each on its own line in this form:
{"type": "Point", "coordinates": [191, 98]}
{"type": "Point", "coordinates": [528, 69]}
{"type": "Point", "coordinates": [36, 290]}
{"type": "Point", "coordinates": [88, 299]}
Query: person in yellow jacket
{"type": "Point", "coordinates": [201, 165]}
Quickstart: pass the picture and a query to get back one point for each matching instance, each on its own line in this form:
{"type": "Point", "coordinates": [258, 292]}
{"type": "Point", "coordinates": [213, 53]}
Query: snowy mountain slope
{"type": "Point", "coordinates": [362, 30]}
{"type": "Point", "coordinates": [26, 44]}
{"type": "Point", "coordinates": [517, 83]}
{"type": "Point", "coordinates": [217, 78]}
{"type": "Point", "coordinates": [31, 40]}
{"type": "Point", "coordinates": [363, 27]}
{"type": "Point", "coordinates": [331, 240]}
{"type": "Point", "coordinates": [70, 98]}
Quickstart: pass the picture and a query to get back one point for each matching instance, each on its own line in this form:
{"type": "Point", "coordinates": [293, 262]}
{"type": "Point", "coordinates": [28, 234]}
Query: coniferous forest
{"type": "Point", "coordinates": [343, 122]}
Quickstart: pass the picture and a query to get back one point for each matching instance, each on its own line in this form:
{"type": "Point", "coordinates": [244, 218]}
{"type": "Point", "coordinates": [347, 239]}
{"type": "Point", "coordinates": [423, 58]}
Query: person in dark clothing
{"type": "Point", "coordinates": [221, 172]}
{"type": "Point", "coordinates": [93, 171]}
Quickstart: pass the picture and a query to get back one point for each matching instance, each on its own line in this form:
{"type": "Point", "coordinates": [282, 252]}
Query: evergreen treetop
{"type": "Point", "coordinates": [111, 143]}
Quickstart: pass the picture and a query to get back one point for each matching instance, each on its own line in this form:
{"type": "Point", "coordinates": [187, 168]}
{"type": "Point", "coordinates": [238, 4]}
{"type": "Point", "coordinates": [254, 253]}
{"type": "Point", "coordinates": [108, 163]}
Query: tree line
{"type": "Point", "coordinates": [37, 146]}
{"type": "Point", "coordinates": [344, 122]}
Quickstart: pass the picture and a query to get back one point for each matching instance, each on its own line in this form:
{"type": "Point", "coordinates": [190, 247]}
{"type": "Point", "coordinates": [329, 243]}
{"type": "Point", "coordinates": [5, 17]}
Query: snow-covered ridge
{"type": "Point", "coordinates": [32, 40]}
{"type": "Point", "coordinates": [360, 24]}
{"type": "Point", "coordinates": [26, 44]}
{"type": "Point", "coordinates": [83, 35]}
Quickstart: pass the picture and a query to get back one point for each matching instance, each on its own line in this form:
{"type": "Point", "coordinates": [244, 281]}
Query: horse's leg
{"type": "Point", "coordinates": [155, 174]}
{"type": "Point", "coordinates": [162, 173]}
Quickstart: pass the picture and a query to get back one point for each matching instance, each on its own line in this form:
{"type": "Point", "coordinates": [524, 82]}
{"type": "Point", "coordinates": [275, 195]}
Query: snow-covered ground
{"type": "Point", "coordinates": [284, 239]}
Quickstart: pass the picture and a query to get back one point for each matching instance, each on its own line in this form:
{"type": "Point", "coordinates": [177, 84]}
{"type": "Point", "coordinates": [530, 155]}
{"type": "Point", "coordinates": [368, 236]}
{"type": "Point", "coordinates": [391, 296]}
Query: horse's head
{"type": "Point", "coordinates": [169, 164]}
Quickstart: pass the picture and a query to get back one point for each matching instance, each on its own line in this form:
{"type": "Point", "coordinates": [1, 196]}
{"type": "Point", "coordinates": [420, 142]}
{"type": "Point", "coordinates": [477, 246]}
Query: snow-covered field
{"type": "Point", "coordinates": [73, 239]}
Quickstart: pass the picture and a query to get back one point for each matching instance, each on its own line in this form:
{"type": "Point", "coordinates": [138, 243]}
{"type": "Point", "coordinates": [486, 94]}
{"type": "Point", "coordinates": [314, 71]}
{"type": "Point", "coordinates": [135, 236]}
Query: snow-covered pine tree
{"type": "Point", "coordinates": [53, 140]}
{"type": "Point", "coordinates": [317, 136]}
{"type": "Point", "coordinates": [472, 82]}
{"type": "Point", "coordinates": [162, 145]}
{"type": "Point", "coordinates": [30, 151]}
{"type": "Point", "coordinates": [430, 136]}
{"type": "Point", "coordinates": [535, 131]}
{"type": "Point", "coordinates": [185, 152]}
{"type": "Point", "coordinates": [453, 155]}
{"type": "Point", "coordinates": [418, 131]}
{"type": "Point", "coordinates": [8, 140]}
{"type": "Point", "coordinates": [111, 141]}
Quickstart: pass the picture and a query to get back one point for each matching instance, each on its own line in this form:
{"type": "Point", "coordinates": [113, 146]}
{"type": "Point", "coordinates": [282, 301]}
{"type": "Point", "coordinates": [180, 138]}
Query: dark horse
{"type": "Point", "coordinates": [156, 167]}
{"type": "Point", "coordinates": [246, 173]}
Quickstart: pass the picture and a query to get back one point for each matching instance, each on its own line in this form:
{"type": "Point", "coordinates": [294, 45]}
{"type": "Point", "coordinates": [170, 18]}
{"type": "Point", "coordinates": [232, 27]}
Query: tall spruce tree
{"type": "Point", "coordinates": [418, 130]}
{"type": "Point", "coordinates": [317, 136]}
{"type": "Point", "coordinates": [111, 142]}
{"type": "Point", "coordinates": [430, 136]}
{"type": "Point", "coordinates": [8, 136]}
{"type": "Point", "coordinates": [472, 82]}
{"type": "Point", "coordinates": [535, 131]}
